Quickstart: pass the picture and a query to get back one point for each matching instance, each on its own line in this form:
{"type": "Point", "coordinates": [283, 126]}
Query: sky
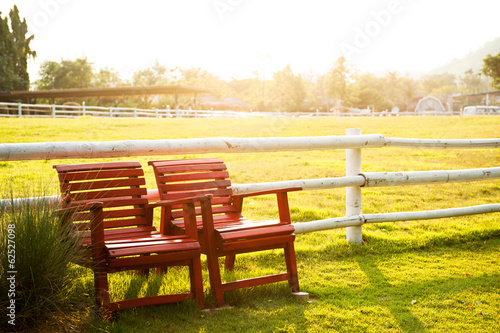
{"type": "Point", "coordinates": [239, 38]}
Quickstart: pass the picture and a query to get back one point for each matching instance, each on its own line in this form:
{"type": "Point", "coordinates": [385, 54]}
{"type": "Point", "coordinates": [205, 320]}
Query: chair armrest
{"type": "Point", "coordinates": [188, 206]}
{"type": "Point", "coordinates": [274, 191]}
{"type": "Point", "coordinates": [282, 196]}
{"type": "Point", "coordinates": [194, 199]}
{"type": "Point", "coordinates": [79, 208]}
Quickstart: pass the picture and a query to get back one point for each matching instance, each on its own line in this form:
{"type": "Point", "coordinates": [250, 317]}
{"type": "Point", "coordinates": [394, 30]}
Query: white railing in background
{"type": "Point", "coordinates": [71, 111]}
{"type": "Point", "coordinates": [354, 180]}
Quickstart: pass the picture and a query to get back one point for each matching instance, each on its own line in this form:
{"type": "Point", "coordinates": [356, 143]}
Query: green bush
{"type": "Point", "coordinates": [35, 256]}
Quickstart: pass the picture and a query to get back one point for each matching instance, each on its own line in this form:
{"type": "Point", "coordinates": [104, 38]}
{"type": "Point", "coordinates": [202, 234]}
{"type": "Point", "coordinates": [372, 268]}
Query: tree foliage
{"type": "Point", "coordinates": [14, 52]}
{"type": "Point", "coordinates": [342, 85]}
{"type": "Point", "coordinates": [288, 92]}
{"type": "Point", "coordinates": [491, 68]}
{"type": "Point", "coordinates": [65, 74]}
{"type": "Point", "coordinates": [340, 78]}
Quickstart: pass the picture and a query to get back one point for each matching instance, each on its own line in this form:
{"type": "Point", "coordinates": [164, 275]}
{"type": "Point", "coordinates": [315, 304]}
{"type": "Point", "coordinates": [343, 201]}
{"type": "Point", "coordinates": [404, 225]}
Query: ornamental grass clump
{"type": "Point", "coordinates": [36, 284]}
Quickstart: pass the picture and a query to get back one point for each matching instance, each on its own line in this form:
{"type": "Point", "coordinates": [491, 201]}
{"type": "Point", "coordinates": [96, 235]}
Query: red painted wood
{"type": "Point", "coordinates": [255, 233]}
{"type": "Point", "coordinates": [224, 231]}
{"type": "Point", "coordinates": [104, 184]}
{"type": "Point", "coordinates": [194, 176]}
{"type": "Point", "coordinates": [103, 200]}
{"type": "Point", "coordinates": [96, 166]}
{"type": "Point", "coordinates": [151, 300]}
{"type": "Point", "coordinates": [247, 245]}
{"type": "Point", "coordinates": [254, 281]}
{"type": "Point", "coordinates": [100, 174]}
{"type": "Point", "coordinates": [131, 249]}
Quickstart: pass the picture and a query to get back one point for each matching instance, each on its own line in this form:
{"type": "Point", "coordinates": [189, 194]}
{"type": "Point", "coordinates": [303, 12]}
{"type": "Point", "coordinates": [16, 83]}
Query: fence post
{"type": "Point", "coordinates": [19, 109]}
{"type": "Point", "coordinates": [135, 112]}
{"type": "Point", "coordinates": [110, 112]}
{"type": "Point", "coordinates": [83, 108]}
{"type": "Point", "coordinates": [353, 193]}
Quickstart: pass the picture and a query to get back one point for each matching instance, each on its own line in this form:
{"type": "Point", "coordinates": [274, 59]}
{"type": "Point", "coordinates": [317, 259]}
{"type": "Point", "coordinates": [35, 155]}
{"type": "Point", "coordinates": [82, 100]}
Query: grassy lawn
{"type": "Point", "coordinates": [422, 276]}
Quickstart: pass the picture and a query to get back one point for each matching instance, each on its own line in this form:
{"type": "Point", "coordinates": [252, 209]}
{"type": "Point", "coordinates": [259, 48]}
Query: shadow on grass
{"type": "Point", "coordinates": [402, 314]}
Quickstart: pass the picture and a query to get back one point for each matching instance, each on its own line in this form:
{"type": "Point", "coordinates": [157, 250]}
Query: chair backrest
{"type": "Point", "coordinates": [118, 185]}
{"type": "Point", "coordinates": [178, 179]}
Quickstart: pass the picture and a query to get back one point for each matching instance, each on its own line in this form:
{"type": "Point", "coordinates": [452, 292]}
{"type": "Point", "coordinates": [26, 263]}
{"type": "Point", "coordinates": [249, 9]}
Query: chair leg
{"type": "Point", "coordinates": [291, 266]}
{"type": "Point", "coordinates": [197, 281]}
{"type": "Point", "coordinates": [229, 262]}
{"type": "Point", "coordinates": [215, 278]}
{"type": "Point", "coordinates": [144, 272]}
{"type": "Point", "coordinates": [102, 291]}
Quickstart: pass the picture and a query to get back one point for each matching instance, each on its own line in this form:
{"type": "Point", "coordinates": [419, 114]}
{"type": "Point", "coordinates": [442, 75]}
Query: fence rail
{"type": "Point", "coordinates": [354, 181]}
{"type": "Point", "coordinates": [72, 111]}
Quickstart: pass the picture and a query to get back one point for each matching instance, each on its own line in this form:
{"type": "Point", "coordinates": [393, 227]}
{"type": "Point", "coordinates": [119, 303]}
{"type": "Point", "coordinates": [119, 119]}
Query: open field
{"type": "Point", "coordinates": [424, 276]}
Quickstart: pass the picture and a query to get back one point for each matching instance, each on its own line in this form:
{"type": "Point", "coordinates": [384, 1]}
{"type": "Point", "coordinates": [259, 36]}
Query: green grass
{"type": "Point", "coordinates": [421, 276]}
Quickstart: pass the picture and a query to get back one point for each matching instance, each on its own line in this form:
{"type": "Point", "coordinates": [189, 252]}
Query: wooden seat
{"type": "Point", "coordinates": [223, 230]}
{"type": "Point", "coordinates": [114, 223]}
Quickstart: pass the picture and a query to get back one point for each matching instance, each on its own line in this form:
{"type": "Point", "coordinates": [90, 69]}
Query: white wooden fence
{"type": "Point", "coordinates": [354, 181]}
{"type": "Point", "coordinates": [69, 111]}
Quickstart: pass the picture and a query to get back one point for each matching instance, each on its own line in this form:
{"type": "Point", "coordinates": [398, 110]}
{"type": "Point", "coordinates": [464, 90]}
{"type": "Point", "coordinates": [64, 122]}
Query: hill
{"type": "Point", "coordinates": [473, 60]}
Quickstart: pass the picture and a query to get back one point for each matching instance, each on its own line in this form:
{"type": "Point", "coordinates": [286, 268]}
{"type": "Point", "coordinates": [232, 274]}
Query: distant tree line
{"type": "Point", "coordinates": [342, 86]}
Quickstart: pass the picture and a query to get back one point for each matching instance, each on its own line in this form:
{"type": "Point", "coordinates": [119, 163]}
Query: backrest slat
{"type": "Point", "coordinates": [118, 185]}
{"type": "Point", "coordinates": [184, 178]}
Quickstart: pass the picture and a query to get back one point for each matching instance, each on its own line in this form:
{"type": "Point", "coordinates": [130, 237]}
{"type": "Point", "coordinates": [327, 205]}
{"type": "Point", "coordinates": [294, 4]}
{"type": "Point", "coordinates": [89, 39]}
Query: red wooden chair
{"type": "Point", "coordinates": [223, 230]}
{"type": "Point", "coordinates": [114, 223]}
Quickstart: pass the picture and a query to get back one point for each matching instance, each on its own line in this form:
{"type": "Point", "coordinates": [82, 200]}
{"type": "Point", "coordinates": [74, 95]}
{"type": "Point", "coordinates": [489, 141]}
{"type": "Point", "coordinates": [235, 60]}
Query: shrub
{"type": "Point", "coordinates": [35, 256]}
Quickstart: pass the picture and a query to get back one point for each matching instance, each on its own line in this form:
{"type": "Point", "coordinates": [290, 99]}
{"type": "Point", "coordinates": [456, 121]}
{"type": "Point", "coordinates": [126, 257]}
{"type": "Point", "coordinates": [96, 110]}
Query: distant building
{"type": "Point", "coordinates": [429, 106]}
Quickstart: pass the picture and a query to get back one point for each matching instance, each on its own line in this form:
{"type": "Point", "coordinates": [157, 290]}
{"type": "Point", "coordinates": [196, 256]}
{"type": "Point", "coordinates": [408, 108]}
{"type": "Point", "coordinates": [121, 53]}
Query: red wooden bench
{"type": "Point", "coordinates": [223, 230]}
{"type": "Point", "coordinates": [114, 222]}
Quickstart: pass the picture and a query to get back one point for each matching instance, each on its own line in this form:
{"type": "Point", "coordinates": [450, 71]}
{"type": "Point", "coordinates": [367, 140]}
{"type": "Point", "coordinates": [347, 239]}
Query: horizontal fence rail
{"type": "Point", "coordinates": [352, 143]}
{"type": "Point", "coordinates": [75, 111]}
{"type": "Point", "coordinates": [65, 150]}
{"type": "Point", "coordinates": [359, 220]}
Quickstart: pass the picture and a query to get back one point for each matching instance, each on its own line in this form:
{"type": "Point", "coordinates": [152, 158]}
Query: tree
{"type": "Point", "coordinates": [156, 75]}
{"type": "Point", "coordinates": [106, 77]}
{"type": "Point", "coordinates": [66, 74]}
{"type": "Point", "coordinates": [491, 68]}
{"type": "Point", "coordinates": [473, 82]}
{"type": "Point", "coordinates": [14, 52]}
{"type": "Point", "coordinates": [340, 77]}
{"type": "Point", "coordinates": [436, 83]}
{"type": "Point", "coordinates": [369, 91]}
{"type": "Point", "coordinates": [288, 91]}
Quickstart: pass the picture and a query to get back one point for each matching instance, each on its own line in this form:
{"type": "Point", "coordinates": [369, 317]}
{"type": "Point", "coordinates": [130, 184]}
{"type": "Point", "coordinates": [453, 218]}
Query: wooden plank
{"type": "Point", "coordinates": [112, 214]}
{"type": "Point", "coordinates": [110, 202]}
{"type": "Point", "coordinates": [108, 194]}
{"type": "Point", "coordinates": [249, 233]}
{"type": "Point", "coordinates": [153, 246]}
{"type": "Point", "coordinates": [215, 210]}
{"type": "Point", "coordinates": [137, 238]}
{"type": "Point", "coordinates": [103, 184]}
{"type": "Point", "coordinates": [101, 174]}
{"type": "Point", "coordinates": [96, 166]}
{"type": "Point", "coordinates": [183, 162]}
{"type": "Point", "coordinates": [162, 170]}
{"type": "Point", "coordinates": [256, 243]}
{"type": "Point", "coordinates": [170, 178]}
{"type": "Point", "coordinates": [169, 187]}
{"type": "Point", "coordinates": [186, 194]}
{"type": "Point", "coordinates": [255, 281]}
{"type": "Point", "coordinates": [152, 261]}
{"type": "Point", "coordinates": [247, 224]}
{"type": "Point", "coordinates": [124, 223]}
{"type": "Point", "coordinates": [150, 300]}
